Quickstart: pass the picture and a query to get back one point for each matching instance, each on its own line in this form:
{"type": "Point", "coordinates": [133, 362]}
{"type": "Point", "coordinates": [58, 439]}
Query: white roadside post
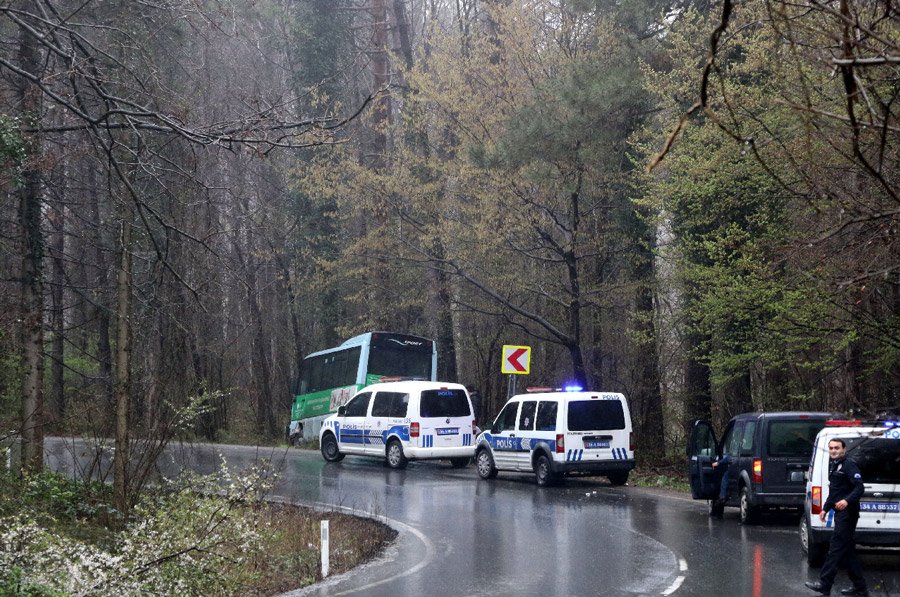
{"type": "Point", "coordinates": [325, 549]}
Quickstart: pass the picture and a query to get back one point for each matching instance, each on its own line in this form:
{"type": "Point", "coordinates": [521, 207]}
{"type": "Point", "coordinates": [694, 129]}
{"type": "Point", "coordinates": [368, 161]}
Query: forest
{"type": "Point", "coordinates": [694, 203]}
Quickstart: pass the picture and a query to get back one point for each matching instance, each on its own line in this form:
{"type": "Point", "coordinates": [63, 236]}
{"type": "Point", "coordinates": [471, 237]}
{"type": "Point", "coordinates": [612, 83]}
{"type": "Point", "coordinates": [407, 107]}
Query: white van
{"type": "Point", "coordinates": [875, 448]}
{"type": "Point", "coordinates": [556, 433]}
{"type": "Point", "coordinates": [402, 421]}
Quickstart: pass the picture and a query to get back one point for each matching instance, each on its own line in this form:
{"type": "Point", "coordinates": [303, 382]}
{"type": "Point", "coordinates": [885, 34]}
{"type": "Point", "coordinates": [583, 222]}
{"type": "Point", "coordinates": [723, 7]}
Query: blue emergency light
{"type": "Point", "coordinates": [573, 388]}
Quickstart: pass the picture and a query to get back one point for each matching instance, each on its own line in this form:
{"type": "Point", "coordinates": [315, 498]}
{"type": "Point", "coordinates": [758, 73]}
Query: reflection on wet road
{"type": "Point", "coordinates": [464, 536]}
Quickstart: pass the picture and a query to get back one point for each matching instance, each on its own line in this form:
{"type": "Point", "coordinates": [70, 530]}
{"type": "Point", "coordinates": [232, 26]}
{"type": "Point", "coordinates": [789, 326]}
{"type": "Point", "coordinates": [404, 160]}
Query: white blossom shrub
{"type": "Point", "coordinates": [188, 537]}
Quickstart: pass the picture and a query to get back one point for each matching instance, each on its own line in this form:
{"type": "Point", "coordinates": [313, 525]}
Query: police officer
{"type": "Point", "coordinates": [845, 487]}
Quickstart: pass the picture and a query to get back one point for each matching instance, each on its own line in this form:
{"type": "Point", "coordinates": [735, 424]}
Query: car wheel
{"type": "Point", "coordinates": [749, 513]}
{"type": "Point", "coordinates": [461, 462]}
{"type": "Point", "coordinates": [395, 457]}
{"type": "Point", "coordinates": [543, 473]}
{"type": "Point", "coordinates": [329, 448]}
{"type": "Point", "coordinates": [618, 478]}
{"type": "Point", "coordinates": [815, 552]}
{"type": "Point", "coordinates": [484, 463]}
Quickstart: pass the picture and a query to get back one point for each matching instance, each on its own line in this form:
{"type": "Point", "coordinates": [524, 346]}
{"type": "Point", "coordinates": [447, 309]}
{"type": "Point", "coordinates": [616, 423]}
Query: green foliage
{"type": "Point", "coordinates": [61, 498]}
{"type": "Point", "coordinates": [11, 373]}
{"type": "Point", "coordinates": [14, 584]}
{"type": "Point", "coordinates": [12, 148]}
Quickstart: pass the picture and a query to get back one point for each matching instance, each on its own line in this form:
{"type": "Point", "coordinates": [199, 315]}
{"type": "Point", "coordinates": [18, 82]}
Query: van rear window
{"type": "Point", "coordinates": [878, 458]}
{"type": "Point", "coordinates": [444, 403]}
{"type": "Point", "coordinates": [793, 438]}
{"type": "Point", "coordinates": [587, 415]}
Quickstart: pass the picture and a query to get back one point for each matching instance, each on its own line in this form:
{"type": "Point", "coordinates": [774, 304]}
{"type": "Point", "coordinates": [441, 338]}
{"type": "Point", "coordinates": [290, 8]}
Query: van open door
{"type": "Point", "coordinates": [702, 451]}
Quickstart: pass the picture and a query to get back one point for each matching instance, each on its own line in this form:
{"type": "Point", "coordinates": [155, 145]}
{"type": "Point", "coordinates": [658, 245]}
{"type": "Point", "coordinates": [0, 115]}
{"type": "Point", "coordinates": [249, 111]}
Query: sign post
{"type": "Point", "coordinates": [516, 361]}
{"type": "Point", "coordinates": [325, 549]}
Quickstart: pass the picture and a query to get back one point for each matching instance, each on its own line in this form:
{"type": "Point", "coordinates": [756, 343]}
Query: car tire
{"type": "Point", "coordinates": [543, 472]}
{"type": "Point", "coordinates": [461, 462]}
{"type": "Point", "coordinates": [394, 455]}
{"type": "Point", "coordinates": [484, 464]}
{"type": "Point", "coordinates": [618, 478]}
{"type": "Point", "coordinates": [329, 448]}
{"type": "Point", "coordinates": [815, 552]}
{"type": "Point", "coordinates": [749, 512]}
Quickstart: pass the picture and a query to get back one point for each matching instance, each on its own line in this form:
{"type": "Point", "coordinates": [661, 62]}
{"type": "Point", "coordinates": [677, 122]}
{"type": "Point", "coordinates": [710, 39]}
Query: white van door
{"type": "Point", "coordinates": [352, 432]}
{"type": "Point", "coordinates": [525, 433]}
{"type": "Point", "coordinates": [445, 418]}
{"type": "Point", "coordinates": [386, 420]}
{"type": "Point", "coordinates": [598, 427]}
{"type": "Point", "coordinates": [504, 441]}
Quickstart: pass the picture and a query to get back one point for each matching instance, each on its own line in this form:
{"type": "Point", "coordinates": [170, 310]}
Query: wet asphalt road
{"type": "Point", "coordinates": [460, 535]}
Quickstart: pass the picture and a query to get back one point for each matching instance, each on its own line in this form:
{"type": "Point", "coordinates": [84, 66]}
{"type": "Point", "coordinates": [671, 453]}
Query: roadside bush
{"type": "Point", "coordinates": [188, 537]}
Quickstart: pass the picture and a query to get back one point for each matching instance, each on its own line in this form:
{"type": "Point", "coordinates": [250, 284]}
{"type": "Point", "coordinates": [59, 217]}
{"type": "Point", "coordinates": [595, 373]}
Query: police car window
{"type": "Point", "coordinates": [388, 404]}
{"type": "Point", "coordinates": [399, 404]}
{"type": "Point", "coordinates": [526, 417]}
{"type": "Point", "coordinates": [878, 458]}
{"type": "Point", "coordinates": [747, 441]}
{"type": "Point", "coordinates": [546, 415]}
{"type": "Point", "coordinates": [585, 415]}
{"type": "Point", "coordinates": [444, 403]}
{"type": "Point", "coordinates": [793, 438]}
{"type": "Point", "coordinates": [506, 420]}
{"type": "Point", "coordinates": [359, 405]}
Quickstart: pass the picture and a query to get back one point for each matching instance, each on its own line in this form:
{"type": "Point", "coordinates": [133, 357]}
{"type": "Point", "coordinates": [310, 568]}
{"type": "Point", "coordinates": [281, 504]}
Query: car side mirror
{"type": "Point", "coordinates": [342, 411]}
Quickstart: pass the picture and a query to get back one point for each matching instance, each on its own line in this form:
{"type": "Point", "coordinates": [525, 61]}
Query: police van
{"type": "Point", "coordinates": [555, 433]}
{"type": "Point", "coordinates": [875, 447]}
{"type": "Point", "coordinates": [402, 421]}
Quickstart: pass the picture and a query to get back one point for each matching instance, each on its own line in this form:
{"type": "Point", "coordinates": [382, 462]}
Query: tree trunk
{"type": "Point", "coordinates": [29, 99]}
{"type": "Point", "coordinates": [122, 387]}
{"type": "Point", "coordinates": [698, 395]}
{"type": "Point", "coordinates": [649, 396]}
{"type": "Point", "coordinates": [57, 217]}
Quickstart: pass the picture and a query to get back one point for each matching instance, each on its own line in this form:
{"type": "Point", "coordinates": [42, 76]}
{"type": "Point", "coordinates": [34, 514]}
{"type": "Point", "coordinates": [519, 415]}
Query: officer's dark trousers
{"type": "Point", "coordinates": [843, 551]}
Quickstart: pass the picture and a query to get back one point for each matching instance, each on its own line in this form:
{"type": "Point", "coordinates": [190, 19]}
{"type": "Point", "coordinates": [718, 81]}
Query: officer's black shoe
{"type": "Point", "coordinates": [863, 592]}
{"type": "Point", "coordinates": [818, 587]}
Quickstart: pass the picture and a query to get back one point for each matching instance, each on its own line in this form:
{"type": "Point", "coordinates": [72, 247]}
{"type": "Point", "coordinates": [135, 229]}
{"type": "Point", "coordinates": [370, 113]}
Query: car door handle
{"type": "Point", "coordinates": [512, 435]}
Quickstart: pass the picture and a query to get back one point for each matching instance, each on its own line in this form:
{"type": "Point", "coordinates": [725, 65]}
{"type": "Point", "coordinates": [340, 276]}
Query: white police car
{"type": "Point", "coordinates": [554, 433]}
{"type": "Point", "coordinates": [875, 447]}
{"type": "Point", "coordinates": [402, 421]}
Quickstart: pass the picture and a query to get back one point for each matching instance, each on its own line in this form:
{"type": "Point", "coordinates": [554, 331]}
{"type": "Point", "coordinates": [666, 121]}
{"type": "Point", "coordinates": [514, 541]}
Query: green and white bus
{"type": "Point", "coordinates": [329, 378]}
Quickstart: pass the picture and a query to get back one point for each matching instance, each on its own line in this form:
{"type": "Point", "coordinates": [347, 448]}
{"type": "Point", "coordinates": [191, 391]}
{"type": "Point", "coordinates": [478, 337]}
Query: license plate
{"type": "Point", "coordinates": [448, 431]}
{"type": "Point", "coordinates": [595, 444]}
{"type": "Point", "coordinates": [879, 507]}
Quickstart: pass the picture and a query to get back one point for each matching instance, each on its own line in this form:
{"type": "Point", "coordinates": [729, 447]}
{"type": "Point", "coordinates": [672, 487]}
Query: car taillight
{"type": "Point", "coordinates": [757, 470]}
{"type": "Point", "coordinates": [816, 500]}
{"type": "Point", "coordinates": [413, 430]}
{"type": "Point", "coordinates": [473, 427]}
{"type": "Point", "coordinates": [560, 443]}
{"type": "Point", "coordinates": [631, 442]}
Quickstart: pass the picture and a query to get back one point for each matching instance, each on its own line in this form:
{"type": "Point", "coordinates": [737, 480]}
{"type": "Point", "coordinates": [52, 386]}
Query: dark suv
{"type": "Point", "coordinates": [768, 454]}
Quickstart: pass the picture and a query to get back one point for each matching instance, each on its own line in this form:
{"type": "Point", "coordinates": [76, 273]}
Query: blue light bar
{"type": "Point", "coordinates": [890, 423]}
{"type": "Point", "coordinates": [573, 388]}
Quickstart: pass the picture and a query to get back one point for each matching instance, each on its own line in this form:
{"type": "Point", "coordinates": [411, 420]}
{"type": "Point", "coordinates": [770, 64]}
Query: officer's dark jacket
{"type": "Point", "coordinates": [844, 483]}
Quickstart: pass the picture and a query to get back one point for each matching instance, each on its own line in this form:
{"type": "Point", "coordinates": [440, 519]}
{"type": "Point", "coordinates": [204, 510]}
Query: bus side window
{"type": "Point", "coordinates": [312, 375]}
{"type": "Point", "coordinates": [350, 366]}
